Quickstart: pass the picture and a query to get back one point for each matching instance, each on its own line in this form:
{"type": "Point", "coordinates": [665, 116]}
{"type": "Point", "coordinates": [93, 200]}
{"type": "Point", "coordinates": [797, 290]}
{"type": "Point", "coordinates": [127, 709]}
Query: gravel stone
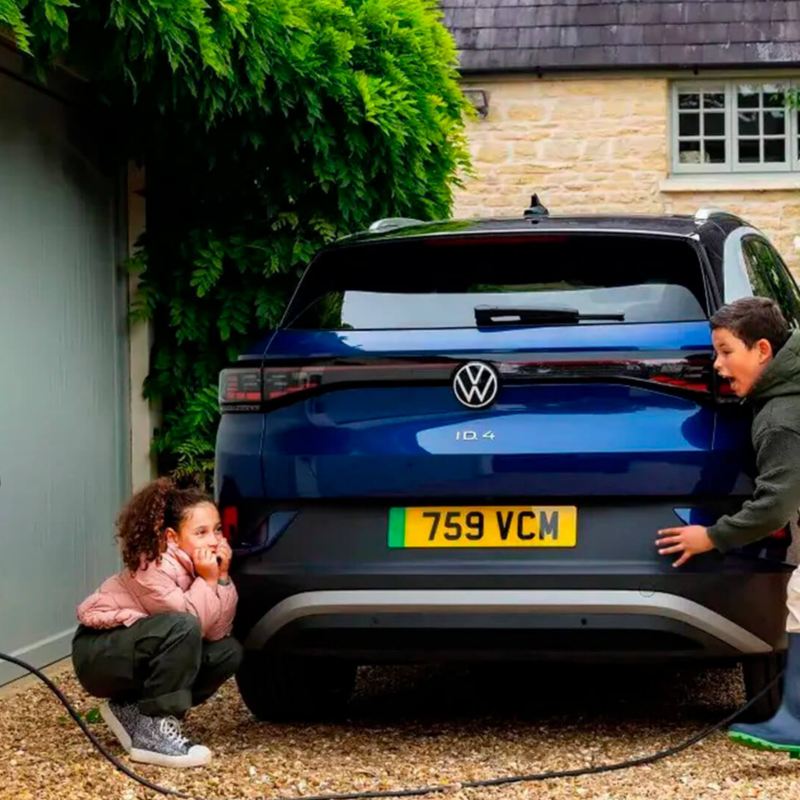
{"type": "Point", "coordinates": [414, 726]}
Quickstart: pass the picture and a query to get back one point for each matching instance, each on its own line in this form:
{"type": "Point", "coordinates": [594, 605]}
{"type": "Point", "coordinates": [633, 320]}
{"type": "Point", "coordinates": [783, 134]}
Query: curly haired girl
{"type": "Point", "coordinates": [155, 638]}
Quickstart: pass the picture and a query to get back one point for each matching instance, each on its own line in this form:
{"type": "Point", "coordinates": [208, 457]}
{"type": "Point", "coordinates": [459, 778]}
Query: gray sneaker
{"type": "Point", "coordinates": [122, 719]}
{"type": "Point", "coordinates": [160, 741]}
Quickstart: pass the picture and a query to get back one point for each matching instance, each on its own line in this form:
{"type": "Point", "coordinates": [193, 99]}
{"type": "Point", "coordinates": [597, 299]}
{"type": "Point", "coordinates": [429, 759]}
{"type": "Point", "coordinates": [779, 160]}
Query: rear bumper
{"type": "Point", "coordinates": [329, 584]}
{"type": "Point", "coordinates": [478, 609]}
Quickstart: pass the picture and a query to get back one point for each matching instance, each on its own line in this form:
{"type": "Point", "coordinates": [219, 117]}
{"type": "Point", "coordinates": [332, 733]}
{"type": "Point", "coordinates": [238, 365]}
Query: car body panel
{"type": "Point", "coordinates": [314, 477]}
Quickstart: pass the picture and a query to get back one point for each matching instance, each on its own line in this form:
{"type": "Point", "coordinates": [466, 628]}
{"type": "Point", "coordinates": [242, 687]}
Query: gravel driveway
{"type": "Point", "coordinates": [421, 725]}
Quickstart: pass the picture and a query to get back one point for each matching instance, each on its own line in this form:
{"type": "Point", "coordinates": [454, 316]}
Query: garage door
{"type": "Point", "coordinates": [63, 428]}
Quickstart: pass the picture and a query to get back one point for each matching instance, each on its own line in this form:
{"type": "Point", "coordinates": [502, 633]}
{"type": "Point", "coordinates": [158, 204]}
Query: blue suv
{"type": "Point", "coordinates": [461, 441]}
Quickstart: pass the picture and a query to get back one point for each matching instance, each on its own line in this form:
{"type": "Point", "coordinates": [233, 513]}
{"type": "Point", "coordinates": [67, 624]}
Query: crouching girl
{"type": "Point", "coordinates": [155, 638]}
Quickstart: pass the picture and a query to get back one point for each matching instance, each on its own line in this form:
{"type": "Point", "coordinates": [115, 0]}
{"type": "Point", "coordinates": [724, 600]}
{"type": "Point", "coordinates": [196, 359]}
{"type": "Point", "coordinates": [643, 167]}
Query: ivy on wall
{"type": "Point", "coordinates": [267, 128]}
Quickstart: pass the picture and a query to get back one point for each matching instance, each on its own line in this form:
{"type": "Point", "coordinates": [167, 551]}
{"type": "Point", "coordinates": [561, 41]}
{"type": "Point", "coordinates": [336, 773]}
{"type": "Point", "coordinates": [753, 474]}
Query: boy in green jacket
{"type": "Point", "coordinates": [756, 351]}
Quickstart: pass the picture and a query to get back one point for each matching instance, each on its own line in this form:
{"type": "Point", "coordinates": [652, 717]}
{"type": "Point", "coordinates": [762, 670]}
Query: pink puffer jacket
{"type": "Point", "coordinates": [170, 585]}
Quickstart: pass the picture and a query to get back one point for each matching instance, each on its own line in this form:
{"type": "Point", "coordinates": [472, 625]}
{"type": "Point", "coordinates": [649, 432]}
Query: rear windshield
{"type": "Point", "coordinates": [439, 283]}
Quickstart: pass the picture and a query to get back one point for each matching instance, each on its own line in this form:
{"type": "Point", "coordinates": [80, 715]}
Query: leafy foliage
{"type": "Point", "coordinates": [268, 127]}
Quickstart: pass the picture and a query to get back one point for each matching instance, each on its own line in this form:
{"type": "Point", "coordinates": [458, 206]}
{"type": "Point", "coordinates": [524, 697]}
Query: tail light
{"type": "Point", "coordinates": [249, 530]}
{"type": "Point", "coordinates": [691, 374]}
{"type": "Point", "coordinates": [247, 388]}
{"type": "Point", "coordinates": [240, 388]}
{"type": "Point", "coordinates": [230, 524]}
{"type": "Point", "coordinates": [281, 382]}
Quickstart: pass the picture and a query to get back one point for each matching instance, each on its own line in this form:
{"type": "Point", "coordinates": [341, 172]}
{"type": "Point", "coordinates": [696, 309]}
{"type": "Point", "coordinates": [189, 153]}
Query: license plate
{"type": "Point", "coordinates": [484, 526]}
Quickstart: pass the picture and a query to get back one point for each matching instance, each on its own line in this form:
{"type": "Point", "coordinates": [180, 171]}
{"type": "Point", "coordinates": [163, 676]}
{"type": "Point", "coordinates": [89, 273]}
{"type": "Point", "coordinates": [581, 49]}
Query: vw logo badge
{"type": "Point", "coordinates": [475, 385]}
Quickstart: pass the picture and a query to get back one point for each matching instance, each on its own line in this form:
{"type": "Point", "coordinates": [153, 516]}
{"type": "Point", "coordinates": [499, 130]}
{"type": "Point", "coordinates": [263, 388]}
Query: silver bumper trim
{"type": "Point", "coordinates": [507, 601]}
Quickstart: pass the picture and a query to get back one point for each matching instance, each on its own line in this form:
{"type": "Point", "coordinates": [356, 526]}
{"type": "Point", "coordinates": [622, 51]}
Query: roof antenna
{"type": "Point", "coordinates": [536, 209]}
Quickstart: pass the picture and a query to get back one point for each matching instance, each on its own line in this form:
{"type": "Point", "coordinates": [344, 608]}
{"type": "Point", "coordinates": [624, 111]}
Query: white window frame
{"type": "Point", "coordinates": [731, 166]}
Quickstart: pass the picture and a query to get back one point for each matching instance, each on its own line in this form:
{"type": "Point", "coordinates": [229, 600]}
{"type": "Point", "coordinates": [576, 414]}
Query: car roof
{"type": "Point", "coordinates": [669, 225]}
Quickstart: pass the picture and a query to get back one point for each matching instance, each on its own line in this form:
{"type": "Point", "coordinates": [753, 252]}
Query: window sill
{"type": "Point", "coordinates": [729, 183]}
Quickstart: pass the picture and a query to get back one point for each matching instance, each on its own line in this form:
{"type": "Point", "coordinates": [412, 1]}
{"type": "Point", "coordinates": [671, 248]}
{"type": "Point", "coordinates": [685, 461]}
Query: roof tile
{"type": "Point", "coordinates": [498, 35]}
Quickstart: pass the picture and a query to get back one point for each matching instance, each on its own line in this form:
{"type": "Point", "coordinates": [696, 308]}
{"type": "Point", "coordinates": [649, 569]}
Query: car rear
{"type": "Point", "coordinates": [461, 444]}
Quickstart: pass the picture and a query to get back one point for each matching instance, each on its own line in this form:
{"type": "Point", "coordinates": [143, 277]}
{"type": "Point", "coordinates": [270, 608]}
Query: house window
{"type": "Point", "coordinates": [735, 126]}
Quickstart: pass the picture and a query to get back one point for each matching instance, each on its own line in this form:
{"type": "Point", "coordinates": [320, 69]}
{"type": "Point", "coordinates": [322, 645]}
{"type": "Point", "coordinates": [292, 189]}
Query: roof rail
{"type": "Point", "coordinates": [704, 214]}
{"type": "Point", "coordinates": [391, 223]}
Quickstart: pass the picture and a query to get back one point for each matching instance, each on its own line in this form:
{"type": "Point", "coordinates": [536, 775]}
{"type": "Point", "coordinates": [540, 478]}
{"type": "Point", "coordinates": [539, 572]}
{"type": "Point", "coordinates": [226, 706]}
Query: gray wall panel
{"type": "Point", "coordinates": [63, 440]}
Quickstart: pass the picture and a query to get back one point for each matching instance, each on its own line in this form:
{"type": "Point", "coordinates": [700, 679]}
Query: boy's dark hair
{"type": "Point", "coordinates": [753, 318]}
{"type": "Point", "coordinates": [143, 522]}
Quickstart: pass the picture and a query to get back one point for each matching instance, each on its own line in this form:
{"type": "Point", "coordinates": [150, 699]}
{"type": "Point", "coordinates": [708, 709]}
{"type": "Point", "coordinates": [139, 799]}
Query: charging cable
{"type": "Point", "coordinates": [417, 792]}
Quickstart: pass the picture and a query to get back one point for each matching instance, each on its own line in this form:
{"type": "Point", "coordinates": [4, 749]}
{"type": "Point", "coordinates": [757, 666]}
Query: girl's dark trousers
{"type": "Point", "coordinates": [160, 662]}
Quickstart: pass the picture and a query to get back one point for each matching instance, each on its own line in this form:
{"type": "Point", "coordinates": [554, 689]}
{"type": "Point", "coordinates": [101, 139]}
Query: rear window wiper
{"type": "Point", "coordinates": [529, 315]}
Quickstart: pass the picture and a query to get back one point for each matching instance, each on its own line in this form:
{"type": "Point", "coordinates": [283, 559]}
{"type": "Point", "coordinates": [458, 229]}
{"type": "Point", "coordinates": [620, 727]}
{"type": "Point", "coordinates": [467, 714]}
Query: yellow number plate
{"type": "Point", "coordinates": [486, 526]}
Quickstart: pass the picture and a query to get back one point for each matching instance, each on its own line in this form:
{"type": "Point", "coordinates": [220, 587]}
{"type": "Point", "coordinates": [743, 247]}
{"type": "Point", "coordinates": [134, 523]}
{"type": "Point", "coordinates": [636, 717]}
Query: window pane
{"type": "Point", "coordinates": [689, 101]}
{"type": "Point", "coordinates": [417, 286]}
{"type": "Point", "coordinates": [773, 122]}
{"type": "Point", "coordinates": [714, 124]}
{"type": "Point", "coordinates": [748, 151]}
{"type": "Point", "coordinates": [689, 124]}
{"type": "Point", "coordinates": [774, 150]}
{"type": "Point", "coordinates": [774, 96]}
{"type": "Point", "coordinates": [747, 97]}
{"type": "Point", "coordinates": [689, 152]}
{"type": "Point", "coordinates": [769, 277]}
{"type": "Point", "coordinates": [715, 100]}
{"type": "Point", "coordinates": [748, 123]}
{"type": "Point", "coordinates": [715, 151]}
{"type": "Point", "coordinates": [756, 269]}
{"type": "Point", "coordinates": [790, 291]}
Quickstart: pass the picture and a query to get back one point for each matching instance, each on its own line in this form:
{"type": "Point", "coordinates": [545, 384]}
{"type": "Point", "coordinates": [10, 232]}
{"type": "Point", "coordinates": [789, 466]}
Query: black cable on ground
{"type": "Point", "coordinates": [418, 792]}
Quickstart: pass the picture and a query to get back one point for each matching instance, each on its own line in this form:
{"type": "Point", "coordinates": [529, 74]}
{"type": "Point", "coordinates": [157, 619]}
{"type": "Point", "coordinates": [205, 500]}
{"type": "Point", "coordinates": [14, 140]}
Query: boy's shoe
{"type": "Point", "coordinates": [782, 732]}
{"type": "Point", "coordinates": [160, 741]}
{"type": "Point", "coordinates": [122, 719]}
{"type": "Point", "coordinates": [779, 734]}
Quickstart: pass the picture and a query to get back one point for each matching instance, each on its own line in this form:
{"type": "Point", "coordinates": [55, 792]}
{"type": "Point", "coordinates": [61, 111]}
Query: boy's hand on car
{"type": "Point", "coordinates": [205, 564]}
{"type": "Point", "coordinates": [689, 540]}
{"type": "Point", "coordinates": [224, 554]}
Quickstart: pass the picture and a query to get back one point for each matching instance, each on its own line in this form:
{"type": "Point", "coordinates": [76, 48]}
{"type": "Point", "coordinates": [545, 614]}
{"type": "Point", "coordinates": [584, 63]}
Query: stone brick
{"type": "Point", "coordinates": [560, 150]}
{"type": "Point", "coordinates": [489, 153]}
{"type": "Point", "coordinates": [531, 112]}
{"type": "Point", "coordinates": [640, 148]}
{"type": "Point", "coordinates": [526, 149]}
{"type": "Point", "coordinates": [594, 150]}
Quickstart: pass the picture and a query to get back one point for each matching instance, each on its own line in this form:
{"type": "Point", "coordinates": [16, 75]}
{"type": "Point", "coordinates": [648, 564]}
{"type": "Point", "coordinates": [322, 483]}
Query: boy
{"type": "Point", "coordinates": [755, 351]}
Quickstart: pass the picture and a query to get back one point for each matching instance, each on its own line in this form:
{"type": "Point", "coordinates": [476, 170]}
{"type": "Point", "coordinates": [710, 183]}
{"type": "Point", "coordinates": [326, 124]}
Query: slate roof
{"type": "Point", "coordinates": [531, 35]}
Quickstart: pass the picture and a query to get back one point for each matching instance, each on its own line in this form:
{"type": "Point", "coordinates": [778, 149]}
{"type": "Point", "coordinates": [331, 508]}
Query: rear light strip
{"type": "Point", "coordinates": [247, 388]}
{"type": "Point", "coordinates": [692, 374]}
{"type": "Point", "coordinates": [243, 388]}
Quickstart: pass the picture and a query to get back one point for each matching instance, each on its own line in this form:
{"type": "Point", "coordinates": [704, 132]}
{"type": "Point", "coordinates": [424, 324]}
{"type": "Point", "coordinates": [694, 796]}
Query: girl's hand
{"type": "Point", "coordinates": [224, 554]}
{"type": "Point", "coordinates": [205, 564]}
{"type": "Point", "coordinates": [689, 541]}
